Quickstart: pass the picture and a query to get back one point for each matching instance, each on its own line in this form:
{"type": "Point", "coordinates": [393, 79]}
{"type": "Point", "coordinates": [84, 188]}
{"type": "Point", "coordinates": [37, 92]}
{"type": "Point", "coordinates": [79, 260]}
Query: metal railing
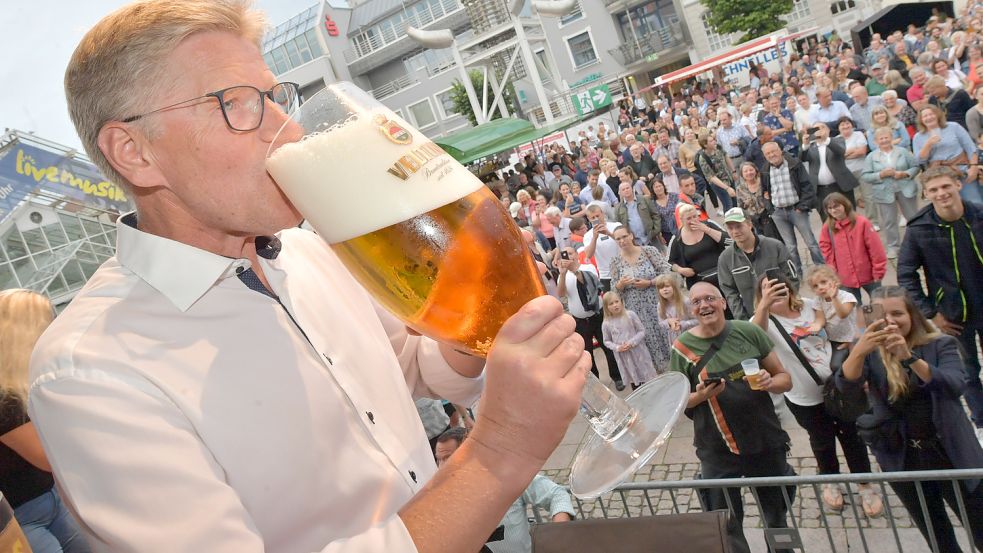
{"type": "Point", "coordinates": [635, 49]}
{"type": "Point", "coordinates": [394, 86]}
{"type": "Point", "coordinates": [848, 530]}
{"type": "Point", "coordinates": [365, 43]}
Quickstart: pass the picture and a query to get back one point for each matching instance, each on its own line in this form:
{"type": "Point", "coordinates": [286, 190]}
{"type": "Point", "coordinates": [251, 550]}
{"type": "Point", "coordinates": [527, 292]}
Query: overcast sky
{"type": "Point", "coordinates": [39, 37]}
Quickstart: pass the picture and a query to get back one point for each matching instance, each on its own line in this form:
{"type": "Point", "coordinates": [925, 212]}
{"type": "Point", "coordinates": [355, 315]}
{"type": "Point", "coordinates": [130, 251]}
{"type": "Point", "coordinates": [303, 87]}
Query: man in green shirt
{"type": "Point", "coordinates": [737, 433]}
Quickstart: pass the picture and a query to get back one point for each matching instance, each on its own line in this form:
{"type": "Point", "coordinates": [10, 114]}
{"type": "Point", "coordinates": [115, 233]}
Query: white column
{"type": "Point", "coordinates": [468, 87]}
{"type": "Point", "coordinates": [527, 58]}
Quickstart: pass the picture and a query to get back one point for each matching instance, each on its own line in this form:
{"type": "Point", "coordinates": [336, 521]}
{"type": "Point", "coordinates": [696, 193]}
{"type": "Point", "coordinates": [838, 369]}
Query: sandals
{"type": "Point", "coordinates": [871, 501]}
{"type": "Point", "coordinates": [832, 497]}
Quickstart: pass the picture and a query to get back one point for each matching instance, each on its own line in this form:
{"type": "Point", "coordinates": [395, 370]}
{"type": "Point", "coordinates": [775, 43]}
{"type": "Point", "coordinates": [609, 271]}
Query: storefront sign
{"type": "Point", "coordinates": [758, 60]}
{"type": "Point", "coordinates": [588, 79]}
{"type": "Point", "coordinates": [25, 168]}
{"type": "Point", "coordinates": [330, 26]}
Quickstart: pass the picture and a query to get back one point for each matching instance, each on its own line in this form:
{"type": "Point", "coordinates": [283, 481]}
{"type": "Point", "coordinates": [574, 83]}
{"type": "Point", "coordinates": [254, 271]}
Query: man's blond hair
{"type": "Point", "coordinates": [117, 69]}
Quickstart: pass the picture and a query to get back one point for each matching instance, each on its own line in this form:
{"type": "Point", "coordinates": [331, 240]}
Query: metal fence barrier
{"type": "Point", "coordinates": [849, 530]}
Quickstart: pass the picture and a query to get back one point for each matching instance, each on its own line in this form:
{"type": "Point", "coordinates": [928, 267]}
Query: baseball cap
{"type": "Point", "coordinates": [734, 215]}
{"type": "Point", "coordinates": [877, 66]}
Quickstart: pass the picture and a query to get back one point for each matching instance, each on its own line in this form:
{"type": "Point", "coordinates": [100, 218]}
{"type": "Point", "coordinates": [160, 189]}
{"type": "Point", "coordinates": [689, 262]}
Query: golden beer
{"type": "Point", "coordinates": [421, 233]}
{"type": "Point", "coordinates": [455, 273]}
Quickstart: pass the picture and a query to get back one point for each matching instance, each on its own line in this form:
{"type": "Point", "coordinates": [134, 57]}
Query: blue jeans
{"type": "Point", "coordinates": [788, 220]}
{"type": "Point", "coordinates": [726, 202]}
{"type": "Point", "coordinates": [974, 389]}
{"type": "Point", "coordinates": [49, 527]}
{"type": "Point", "coordinates": [971, 192]}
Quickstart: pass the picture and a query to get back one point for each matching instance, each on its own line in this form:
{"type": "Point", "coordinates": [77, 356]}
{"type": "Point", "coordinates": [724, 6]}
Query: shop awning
{"type": "Point", "coordinates": [739, 52]}
{"type": "Point", "coordinates": [495, 136]}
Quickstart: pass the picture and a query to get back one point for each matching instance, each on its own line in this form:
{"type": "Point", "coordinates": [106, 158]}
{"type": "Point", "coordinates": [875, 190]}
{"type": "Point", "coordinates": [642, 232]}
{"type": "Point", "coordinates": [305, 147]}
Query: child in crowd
{"type": "Point", "coordinates": [838, 306]}
{"type": "Point", "coordinates": [674, 311]}
{"type": "Point", "coordinates": [624, 334]}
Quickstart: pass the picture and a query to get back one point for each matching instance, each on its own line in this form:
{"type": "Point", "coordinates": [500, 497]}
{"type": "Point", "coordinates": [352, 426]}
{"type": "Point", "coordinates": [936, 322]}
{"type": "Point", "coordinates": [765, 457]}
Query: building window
{"type": "Point", "coordinates": [800, 9]}
{"type": "Point", "coordinates": [842, 6]}
{"type": "Point", "coordinates": [714, 39]}
{"type": "Point", "coordinates": [647, 18]}
{"type": "Point", "coordinates": [582, 50]}
{"type": "Point", "coordinates": [575, 14]}
{"type": "Point", "coordinates": [422, 114]}
{"type": "Point", "coordinates": [446, 104]}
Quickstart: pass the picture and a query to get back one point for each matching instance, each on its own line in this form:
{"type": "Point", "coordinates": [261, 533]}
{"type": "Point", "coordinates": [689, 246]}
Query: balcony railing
{"type": "Point", "coordinates": [648, 46]}
{"type": "Point", "coordinates": [392, 87]}
{"type": "Point", "coordinates": [363, 45]}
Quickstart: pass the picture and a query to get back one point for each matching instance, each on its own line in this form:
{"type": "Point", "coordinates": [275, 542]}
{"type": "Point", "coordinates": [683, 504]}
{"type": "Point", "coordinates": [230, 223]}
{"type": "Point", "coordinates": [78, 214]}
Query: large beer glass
{"type": "Point", "coordinates": [435, 247]}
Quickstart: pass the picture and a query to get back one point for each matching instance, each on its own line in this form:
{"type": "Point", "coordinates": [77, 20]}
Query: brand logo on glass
{"type": "Point", "coordinates": [393, 130]}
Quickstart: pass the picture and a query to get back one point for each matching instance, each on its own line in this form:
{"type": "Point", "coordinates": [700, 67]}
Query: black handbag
{"type": "Point", "coordinates": [845, 406]}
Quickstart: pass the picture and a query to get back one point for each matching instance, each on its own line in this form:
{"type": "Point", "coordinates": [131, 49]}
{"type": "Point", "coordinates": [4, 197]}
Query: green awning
{"type": "Point", "coordinates": [494, 137]}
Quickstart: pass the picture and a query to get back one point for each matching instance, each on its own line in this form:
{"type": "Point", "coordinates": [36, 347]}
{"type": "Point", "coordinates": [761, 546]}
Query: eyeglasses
{"type": "Point", "coordinates": [243, 106]}
{"type": "Point", "coordinates": [709, 300]}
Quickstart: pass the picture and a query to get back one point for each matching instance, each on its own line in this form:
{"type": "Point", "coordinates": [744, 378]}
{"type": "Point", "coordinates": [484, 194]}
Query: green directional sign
{"type": "Point", "coordinates": [592, 99]}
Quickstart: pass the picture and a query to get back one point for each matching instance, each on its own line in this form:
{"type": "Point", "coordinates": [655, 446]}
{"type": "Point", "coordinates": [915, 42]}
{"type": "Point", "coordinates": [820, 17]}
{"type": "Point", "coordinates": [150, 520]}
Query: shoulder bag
{"type": "Point", "coordinates": [844, 406]}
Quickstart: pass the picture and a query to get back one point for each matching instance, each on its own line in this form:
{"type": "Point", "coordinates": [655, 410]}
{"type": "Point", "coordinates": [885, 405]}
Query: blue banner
{"type": "Point", "coordinates": [26, 168]}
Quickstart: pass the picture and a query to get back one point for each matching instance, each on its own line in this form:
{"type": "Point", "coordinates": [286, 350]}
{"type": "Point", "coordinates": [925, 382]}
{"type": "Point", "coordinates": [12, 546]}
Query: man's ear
{"type": "Point", "coordinates": [130, 154]}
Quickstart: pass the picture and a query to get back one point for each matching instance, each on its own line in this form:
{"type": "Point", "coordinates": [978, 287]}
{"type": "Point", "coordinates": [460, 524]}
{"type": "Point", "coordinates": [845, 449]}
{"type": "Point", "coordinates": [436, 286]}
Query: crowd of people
{"type": "Point", "coordinates": [204, 393]}
{"type": "Point", "coordinates": [688, 219]}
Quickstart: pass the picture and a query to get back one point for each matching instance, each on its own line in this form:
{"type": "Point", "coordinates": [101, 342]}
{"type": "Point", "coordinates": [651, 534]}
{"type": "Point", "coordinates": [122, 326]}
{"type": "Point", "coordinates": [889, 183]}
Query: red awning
{"type": "Point", "coordinates": [736, 53]}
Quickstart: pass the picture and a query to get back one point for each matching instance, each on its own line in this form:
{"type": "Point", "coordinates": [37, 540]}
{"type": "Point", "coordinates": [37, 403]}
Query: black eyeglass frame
{"type": "Point", "coordinates": [220, 96]}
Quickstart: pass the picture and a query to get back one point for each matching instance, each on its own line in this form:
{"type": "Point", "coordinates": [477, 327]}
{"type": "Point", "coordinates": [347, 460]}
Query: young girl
{"type": "Point", "coordinates": [674, 309]}
{"type": "Point", "coordinates": [852, 247]}
{"type": "Point", "coordinates": [838, 306]}
{"type": "Point", "coordinates": [624, 334]}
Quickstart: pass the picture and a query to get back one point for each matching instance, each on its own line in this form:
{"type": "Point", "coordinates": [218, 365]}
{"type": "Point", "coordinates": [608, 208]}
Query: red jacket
{"type": "Point", "coordinates": [857, 254]}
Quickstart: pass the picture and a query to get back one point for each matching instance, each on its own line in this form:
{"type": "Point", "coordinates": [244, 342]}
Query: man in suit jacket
{"type": "Point", "coordinates": [827, 165]}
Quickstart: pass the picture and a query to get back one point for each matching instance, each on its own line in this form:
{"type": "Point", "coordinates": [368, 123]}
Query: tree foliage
{"type": "Point", "coordinates": [459, 95]}
{"type": "Point", "coordinates": [754, 18]}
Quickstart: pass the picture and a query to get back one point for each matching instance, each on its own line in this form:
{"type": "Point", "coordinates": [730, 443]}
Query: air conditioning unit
{"type": "Point", "coordinates": [34, 216]}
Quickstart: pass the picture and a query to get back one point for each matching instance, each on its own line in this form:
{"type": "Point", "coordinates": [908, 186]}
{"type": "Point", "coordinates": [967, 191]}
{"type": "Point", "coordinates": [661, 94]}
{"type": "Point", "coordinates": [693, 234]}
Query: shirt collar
{"type": "Point", "coordinates": [180, 272]}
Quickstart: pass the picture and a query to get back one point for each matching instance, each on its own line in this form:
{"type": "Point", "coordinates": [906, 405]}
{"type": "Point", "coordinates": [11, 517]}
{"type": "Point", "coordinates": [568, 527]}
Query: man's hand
{"type": "Point", "coordinates": [711, 391]}
{"type": "Point", "coordinates": [951, 329]}
{"type": "Point", "coordinates": [533, 381]}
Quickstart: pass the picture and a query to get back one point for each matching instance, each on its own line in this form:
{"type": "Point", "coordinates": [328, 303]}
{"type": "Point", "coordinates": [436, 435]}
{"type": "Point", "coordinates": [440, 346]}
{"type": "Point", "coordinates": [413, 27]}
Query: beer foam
{"type": "Point", "coordinates": [356, 178]}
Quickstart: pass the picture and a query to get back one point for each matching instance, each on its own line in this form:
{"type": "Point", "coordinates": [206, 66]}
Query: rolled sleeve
{"type": "Point", "coordinates": [426, 371]}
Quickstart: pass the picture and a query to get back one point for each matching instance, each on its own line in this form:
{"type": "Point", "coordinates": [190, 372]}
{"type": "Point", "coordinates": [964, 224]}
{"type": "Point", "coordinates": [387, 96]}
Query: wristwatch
{"type": "Point", "coordinates": [907, 363]}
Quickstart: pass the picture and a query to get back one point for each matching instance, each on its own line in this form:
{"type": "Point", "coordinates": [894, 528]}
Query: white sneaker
{"type": "Point", "coordinates": [979, 435]}
{"type": "Point", "coordinates": [902, 222]}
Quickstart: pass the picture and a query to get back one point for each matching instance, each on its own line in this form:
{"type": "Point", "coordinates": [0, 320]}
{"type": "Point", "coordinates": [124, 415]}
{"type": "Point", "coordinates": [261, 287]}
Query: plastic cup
{"type": "Point", "coordinates": [752, 371]}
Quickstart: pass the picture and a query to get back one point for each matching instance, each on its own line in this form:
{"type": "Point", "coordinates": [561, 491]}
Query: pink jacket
{"type": "Point", "coordinates": [857, 253]}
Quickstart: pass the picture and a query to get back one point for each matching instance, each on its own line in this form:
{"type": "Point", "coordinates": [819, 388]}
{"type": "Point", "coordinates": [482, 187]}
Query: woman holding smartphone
{"type": "Point", "coordinates": [777, 301]}
{"type": "Point", "coordinates": [914, 376]}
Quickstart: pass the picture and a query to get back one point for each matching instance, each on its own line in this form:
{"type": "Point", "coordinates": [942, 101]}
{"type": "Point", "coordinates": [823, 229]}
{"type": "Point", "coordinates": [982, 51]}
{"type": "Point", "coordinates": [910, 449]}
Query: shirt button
{"type": "Point", "coordinates": [413, 476]}
{"type": "Point", "coordinates": [240, 270]}
{"type": "Point", "coordinates": [370, 416]}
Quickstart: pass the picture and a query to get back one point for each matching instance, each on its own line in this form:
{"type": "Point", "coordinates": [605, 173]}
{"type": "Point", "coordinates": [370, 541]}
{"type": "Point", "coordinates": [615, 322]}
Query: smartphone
{"type": "Point", "coordinates": [564, 255]}
{"type": "Point", "coordinates": [812, 131]}
{"type": "Point", "coordinates": [876, 312]}
{"type": "Point", "coordinates": [711, 381]}
{"type": "Point", "coordinates": [774, 273]}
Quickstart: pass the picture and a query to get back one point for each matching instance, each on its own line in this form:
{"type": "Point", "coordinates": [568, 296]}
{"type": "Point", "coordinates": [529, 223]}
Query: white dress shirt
{"type": "Point", "coordinates": [606, 250]}
{"type": "Point", "coordinates": [185, 412]}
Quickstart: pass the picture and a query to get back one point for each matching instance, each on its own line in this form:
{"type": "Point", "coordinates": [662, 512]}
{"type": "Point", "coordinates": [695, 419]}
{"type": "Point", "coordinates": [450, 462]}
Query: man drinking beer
{"type": "Point", "coordinates": [223, 384]}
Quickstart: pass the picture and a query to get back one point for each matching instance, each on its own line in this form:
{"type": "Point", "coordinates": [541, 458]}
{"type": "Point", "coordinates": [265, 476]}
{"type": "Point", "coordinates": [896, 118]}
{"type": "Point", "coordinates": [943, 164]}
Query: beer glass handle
{"type": "Point", "coordinates": [608, 414]}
